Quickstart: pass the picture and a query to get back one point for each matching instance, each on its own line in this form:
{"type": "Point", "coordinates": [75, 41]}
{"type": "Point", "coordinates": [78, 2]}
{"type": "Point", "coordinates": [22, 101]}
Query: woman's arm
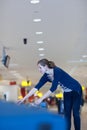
{"type": "Point", "coordinates": [44, 96]}
{"type": "Point", "coordinates": [31, 92]}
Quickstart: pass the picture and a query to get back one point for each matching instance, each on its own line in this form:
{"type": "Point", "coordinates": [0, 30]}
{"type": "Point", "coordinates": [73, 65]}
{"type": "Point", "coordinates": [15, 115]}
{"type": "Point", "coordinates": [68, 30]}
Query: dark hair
{"type": "Point", "coordinates": [44, 62]}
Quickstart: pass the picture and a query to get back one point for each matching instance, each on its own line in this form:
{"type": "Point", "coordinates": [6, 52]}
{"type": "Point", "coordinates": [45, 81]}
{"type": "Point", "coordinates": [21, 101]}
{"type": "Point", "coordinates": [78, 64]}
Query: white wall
{"type": "Point", "coordinates": [10, 91]}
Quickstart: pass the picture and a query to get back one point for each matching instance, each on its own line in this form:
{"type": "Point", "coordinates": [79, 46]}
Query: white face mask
{"type": "Point", "coordinates": [42, 69]}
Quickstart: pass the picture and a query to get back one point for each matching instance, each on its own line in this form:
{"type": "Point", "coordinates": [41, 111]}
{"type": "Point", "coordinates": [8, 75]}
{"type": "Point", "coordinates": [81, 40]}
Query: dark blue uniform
{"type": "Point", "coordinates": [72, 93]}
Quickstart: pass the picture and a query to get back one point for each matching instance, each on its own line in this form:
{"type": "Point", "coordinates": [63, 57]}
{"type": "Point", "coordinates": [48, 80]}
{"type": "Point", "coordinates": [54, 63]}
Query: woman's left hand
{"type": "Point", "coordinates": [38, 101]}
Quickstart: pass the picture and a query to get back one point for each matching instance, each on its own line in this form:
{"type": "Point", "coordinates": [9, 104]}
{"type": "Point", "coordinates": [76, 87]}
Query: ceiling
{"type": "Point", "coordinates": [62, 28]}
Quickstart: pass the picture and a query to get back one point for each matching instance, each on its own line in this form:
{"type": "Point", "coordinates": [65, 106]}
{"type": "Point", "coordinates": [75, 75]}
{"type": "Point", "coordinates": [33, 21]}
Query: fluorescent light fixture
{"type": "Point", "coordinates": [74, 61]}
{"type": "Point", "coordinates": [16, 74]}
{"type": "Point", "coordinates": [84, 56]}
{"type": "Point", "coordinates": [13, 65]}
{"type": "Point", "coordinates": [13, 72]}
{"type": "Point", "coordinates": [40, 42]}
{"type": "Point", "coordinates": [41, 54]}
{"type": "Point", "coordinates": [34, 1]}
{"type": "Point", "coordinates": [38, 33]}
{"type": "Point", "coordinates": [36, 20]}
{"type": "Point", "coordinates": [77, 61]}
{"type": "Point", "coordinates": [41, 49]}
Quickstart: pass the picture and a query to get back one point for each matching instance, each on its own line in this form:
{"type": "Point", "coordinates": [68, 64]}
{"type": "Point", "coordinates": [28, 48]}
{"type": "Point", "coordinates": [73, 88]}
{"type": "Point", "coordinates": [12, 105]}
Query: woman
{"type": "Point", "coordinates": [72, 90]}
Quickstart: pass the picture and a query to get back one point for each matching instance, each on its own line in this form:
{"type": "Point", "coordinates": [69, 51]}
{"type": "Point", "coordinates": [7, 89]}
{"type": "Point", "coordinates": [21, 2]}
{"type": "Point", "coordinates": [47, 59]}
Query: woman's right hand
{"type": "Point", "coordinates": [20, 101]}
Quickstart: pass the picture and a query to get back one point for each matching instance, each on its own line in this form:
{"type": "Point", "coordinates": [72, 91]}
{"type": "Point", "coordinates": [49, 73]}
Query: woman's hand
{"type": "Point", "coordinates": [38, 101]}
{"type": "Point", "coordinates": [20, 101]}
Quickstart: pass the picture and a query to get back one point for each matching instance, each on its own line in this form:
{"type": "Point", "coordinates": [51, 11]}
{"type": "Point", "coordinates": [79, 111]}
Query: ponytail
{"type": "Point", "coordinates": [44, 62]}
{"type": "Point", "coordinates": [51, 64]}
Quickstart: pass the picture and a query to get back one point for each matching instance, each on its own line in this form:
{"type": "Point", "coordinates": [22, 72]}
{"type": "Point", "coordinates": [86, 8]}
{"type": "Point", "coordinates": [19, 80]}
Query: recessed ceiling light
{"type": "Point", "coordinates": [38, 33]}
{"type": "Point", "coordinates": [41, 54]}
{"type": "Point", "coordinates": [39, 42]}
{"type": "Point", "coordinates": [40, 49]}
{"type": "Point", "coordinates": [37, 20]}
{"type": "Point", "coordinates": [34, 1]}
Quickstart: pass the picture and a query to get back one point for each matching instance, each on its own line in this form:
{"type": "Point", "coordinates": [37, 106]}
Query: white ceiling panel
{"type": "Point", "coordinates": [64, 37]}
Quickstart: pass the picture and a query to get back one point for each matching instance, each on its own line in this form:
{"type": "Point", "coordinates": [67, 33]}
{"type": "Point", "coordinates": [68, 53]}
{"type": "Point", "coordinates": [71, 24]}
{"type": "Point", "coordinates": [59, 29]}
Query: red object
{"type": "Point", "coordinates": [12, 83]}
{"type": "Point", "coordinates": [23, 92]}
{"type": "Point", "coordinates": [86, 93]}
{"type": "Point", "coordinates": [31, 98]}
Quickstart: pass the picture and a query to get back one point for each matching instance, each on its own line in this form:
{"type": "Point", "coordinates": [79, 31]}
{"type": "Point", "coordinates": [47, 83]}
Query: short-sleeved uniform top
{"type": "Point", "coordinates": [61, 78]}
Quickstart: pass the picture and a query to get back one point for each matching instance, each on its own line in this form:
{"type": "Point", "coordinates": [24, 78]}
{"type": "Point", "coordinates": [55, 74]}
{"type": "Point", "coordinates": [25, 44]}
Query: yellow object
{"type": "Point", "coordinates": [20, 97]}
{"type": "Point", "coordinates": [83, 88]}
{"type": "Point", "coordinates": [59, 95]}
{"type": "Point", "coordinates": [25, 83]}
{"type": "Point", "coordinates": [39, 94]}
